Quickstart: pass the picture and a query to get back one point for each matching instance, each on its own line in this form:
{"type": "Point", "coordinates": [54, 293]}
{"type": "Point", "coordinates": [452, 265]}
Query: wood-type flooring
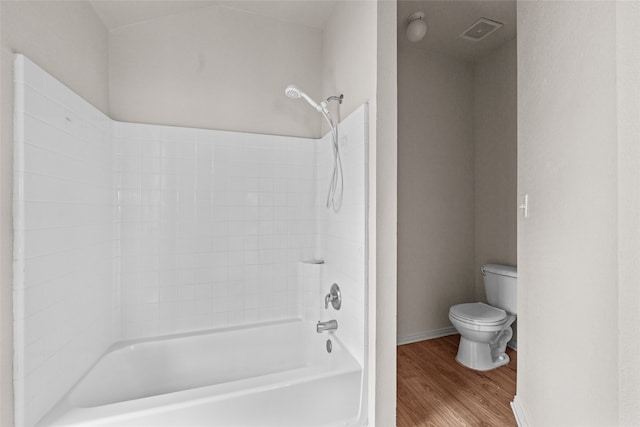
{"type": "Point", "coordinates": [435, 390]}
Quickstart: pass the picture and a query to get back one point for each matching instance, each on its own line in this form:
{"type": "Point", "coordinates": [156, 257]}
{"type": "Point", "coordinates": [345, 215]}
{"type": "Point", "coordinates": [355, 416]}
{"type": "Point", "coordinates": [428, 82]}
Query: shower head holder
{"type": "Point", "coordinates": [338, 98]}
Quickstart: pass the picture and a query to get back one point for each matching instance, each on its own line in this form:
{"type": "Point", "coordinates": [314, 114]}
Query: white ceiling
{"type": "Point", "coordinates": [446, 19]}
{"type": "Point", "coordinates": [117, 13]}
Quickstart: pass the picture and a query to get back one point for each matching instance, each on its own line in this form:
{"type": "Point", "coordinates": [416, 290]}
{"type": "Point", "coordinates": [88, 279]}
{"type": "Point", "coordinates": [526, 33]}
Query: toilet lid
{"type": "Point", "coordinates": [478, 313]}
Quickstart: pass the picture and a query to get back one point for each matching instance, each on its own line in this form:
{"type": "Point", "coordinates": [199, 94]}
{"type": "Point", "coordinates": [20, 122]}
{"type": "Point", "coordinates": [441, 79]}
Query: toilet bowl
{"type": "Point", "coordinates": [485, 329]}
{"type": "Point", "coordinates": [484, 334]}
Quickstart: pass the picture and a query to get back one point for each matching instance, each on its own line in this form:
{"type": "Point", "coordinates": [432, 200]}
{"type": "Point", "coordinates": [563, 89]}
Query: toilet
{"type": "Point", "coordinates": [485, 329]}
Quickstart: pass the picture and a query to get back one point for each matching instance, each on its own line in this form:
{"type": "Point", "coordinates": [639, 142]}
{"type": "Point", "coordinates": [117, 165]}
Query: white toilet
{"type": "Point", "coordinates": [486, 329]}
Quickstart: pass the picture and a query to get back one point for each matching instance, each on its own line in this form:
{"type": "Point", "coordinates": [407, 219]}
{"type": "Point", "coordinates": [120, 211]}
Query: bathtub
{"type": "Point", "coordinates": [278, 374]}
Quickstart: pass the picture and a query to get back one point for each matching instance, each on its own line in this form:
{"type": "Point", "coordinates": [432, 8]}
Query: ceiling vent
{"type": "Point", "coordinates": [481, 29]}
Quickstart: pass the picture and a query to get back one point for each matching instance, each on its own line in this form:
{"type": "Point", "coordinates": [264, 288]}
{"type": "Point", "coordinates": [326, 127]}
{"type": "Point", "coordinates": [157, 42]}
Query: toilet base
{"type": "Point", "coordinates": [477, 355]}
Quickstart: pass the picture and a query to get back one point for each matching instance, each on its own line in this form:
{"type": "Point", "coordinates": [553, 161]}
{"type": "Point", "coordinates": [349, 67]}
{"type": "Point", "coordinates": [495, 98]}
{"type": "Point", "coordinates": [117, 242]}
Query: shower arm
{"type": "Point", "coordinates": [338, 98]}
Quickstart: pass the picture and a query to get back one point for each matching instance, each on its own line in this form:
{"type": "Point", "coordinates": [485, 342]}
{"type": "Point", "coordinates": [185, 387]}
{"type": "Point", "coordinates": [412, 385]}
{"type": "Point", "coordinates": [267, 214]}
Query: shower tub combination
{"type": "Point", "coordinates": [278, 372]}
{"type": "Point", "coordinates": [245, 376]}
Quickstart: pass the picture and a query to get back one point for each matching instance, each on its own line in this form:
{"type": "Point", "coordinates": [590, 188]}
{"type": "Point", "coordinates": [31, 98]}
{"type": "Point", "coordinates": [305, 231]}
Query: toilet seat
{"type": "Point", "coordinates": [478, 314]}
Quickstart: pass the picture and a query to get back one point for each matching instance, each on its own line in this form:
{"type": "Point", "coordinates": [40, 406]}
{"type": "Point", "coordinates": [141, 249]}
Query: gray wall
{"type": "Point", "coordinates": [216, 68]}
{"type": "Point", "coordinates": [496, 151]}
{"type": "Point", "coordinates": [457, 179]}
{"type": "Point", "coordinates": [568, 247]}
{"type": "Point", "coordinates": [435, 189]}
{"type": "Point", "coordinates": [383, 220]}
{"type": "Point", "coordinates": [628, 111]}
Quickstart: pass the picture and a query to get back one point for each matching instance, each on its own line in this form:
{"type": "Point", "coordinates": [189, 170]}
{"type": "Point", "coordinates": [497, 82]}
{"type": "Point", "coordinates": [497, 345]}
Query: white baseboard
{"type": "Point", "coordinates": [518, 412]}
{"type": "Point", "coordinates": [408, 339]}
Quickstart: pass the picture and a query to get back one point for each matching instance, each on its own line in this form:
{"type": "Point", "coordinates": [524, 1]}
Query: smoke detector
{"type": "Point", "coordinates": [481, 29]}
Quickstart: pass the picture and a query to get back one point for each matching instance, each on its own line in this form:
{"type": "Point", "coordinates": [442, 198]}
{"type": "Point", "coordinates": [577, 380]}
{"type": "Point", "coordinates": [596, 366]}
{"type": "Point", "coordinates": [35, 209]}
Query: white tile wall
{"type": "Point", "coordinates": [126, 230]}
{"type": "Point", "coordinates": [310, 277]}
{"type": "Point", "coordinates": [341, 239]}
{"type": "Point", "coordinates": [212, 225]}
{"type": "Point", "coordinates": [64, 233]}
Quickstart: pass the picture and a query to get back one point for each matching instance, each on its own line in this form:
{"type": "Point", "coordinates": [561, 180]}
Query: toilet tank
{"type": "Point", "coordinates": [500, 286]}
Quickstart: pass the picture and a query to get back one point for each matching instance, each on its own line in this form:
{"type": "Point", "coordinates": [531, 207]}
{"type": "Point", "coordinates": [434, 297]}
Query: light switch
{"type": "Point", "coordinates": [525, 205]}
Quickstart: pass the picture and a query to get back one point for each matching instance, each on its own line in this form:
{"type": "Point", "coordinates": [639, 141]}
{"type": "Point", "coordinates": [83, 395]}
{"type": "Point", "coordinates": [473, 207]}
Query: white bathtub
{"type": "Point", "coordinates": [271, 375]}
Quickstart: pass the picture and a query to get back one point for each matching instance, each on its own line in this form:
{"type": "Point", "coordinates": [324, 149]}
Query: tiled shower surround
{"type": "Point", "coordinates": [64, 229]}
{"type": "Point", "coordinates": [127, 231]}
{"type": "Point", "coordinates": [340, 236]}
{"type": "Point", "coordinates": [212, 225]}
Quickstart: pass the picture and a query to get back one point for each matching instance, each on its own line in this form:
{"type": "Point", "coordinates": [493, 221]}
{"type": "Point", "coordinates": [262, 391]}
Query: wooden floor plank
{"type": "Point", "coordinates": [434, 390]}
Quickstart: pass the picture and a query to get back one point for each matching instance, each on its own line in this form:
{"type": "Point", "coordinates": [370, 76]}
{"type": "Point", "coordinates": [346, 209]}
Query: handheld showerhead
{"type": "Point", "coordinates": [294, 92]}
{"type": "Point", "coordinates": [334, 196]}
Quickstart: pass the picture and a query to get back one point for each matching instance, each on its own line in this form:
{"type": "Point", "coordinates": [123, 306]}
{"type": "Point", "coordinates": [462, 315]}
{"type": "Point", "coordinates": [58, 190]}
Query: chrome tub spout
{"type": "Point", "coordinates": [329, 325]}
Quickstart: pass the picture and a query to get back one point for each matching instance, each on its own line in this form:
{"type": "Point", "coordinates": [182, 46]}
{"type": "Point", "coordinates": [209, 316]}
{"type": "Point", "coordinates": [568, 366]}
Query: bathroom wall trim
{"type": "Point", "coordinates": [519, 413]}
{"type": "Point", "coordinates": [437, 333]}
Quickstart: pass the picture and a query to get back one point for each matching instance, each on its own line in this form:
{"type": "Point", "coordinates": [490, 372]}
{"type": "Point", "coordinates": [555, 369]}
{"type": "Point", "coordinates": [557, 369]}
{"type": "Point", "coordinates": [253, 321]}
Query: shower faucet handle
{"type": "Point", "coordinates": [334, 297]}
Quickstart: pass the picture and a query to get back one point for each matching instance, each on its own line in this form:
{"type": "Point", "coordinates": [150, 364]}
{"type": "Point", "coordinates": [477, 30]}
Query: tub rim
{"type": "Point", "coordinates": [346, 363]}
